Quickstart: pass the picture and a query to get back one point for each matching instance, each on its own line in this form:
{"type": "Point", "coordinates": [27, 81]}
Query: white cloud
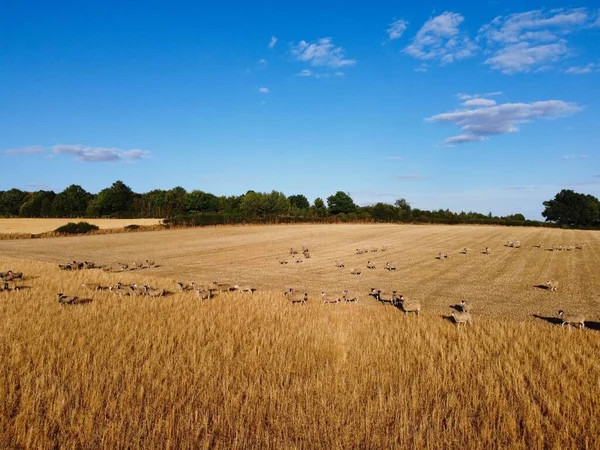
{"type": "Point", "coordinates": [99, 154]}
{"type": "Point", "coordinates": [272, 42]}
{"type": "Point", "coordinates": [32, 150]}
{"type": "Point", "coordinates": [583, 70]}
{"type": "Point", "coordinates": [523, 57]}
{"type": "Point", "coordinates": [530, 41]}
{"type": "Point", "coordinates": [262, 63]}
{"type": "Point", "coordinates": [321, 54]}
{"type": "Point", "coordinates": [440, 39]}
{"type": "Point", "coordinates": [394, 158]}
{"type": "Point", "coordinates": [567, 157]}
{"type": "Point", "coordinates": [478, 102]}
{"type": "Point", "coordinates": [397, 29]}
{"type": "Point", "coordinates": [463, 138]}
{"type": "Point", "coordinates": [263, 90]}
{"type": "Point", "coordinates": [411, 177]}
{"type": "Point", "coordinates": [310, 73]}
{"type": "Point", "coordinates": [422, 68]}
{"type": "Point", "coordinates": [477, 123]}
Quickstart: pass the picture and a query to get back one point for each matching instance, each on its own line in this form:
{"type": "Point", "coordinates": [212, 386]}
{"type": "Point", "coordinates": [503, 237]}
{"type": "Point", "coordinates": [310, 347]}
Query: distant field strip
{"type": "Point", "coordinates": [36, 226]}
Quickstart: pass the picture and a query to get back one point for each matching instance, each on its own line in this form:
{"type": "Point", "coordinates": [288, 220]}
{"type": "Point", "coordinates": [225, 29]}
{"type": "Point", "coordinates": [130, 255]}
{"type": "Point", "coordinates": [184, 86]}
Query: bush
{"type": "Point", "coordinates": [76, 228]}
{"type": "Point", "coordinates": [132, 227]}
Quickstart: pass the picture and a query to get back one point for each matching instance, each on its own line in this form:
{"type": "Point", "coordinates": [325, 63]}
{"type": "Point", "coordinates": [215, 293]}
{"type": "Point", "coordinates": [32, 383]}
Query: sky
{"type": "Point", "coordinates": [487, 107]}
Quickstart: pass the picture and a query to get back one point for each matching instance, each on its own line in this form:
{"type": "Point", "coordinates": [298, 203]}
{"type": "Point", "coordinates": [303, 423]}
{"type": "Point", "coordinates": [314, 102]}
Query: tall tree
{"type": "Point", "coordinates": [115, 201]}
{"type": "Point", "coordinates": [72, 202]}
{"type": "Point", "coordinates": [11, 201]}
{"type": "Point", "coordinates": [572, 209]}
{"type": "Point", "coordinates": [39, 204]}
{"type": "Point", "coordinates": [341, 202]}
{"type": "Point", "coordinates": [298, 201]}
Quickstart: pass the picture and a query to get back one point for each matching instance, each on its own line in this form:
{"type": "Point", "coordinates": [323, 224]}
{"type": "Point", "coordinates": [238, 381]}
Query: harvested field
{"type": "Point", "coordinates": [36, 226]}
{"type": "Point", "coordinates": [241, 371]}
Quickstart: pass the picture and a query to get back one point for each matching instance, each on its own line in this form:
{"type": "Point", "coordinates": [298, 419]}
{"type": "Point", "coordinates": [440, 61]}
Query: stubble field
{"type": "Point", "coordinates": [241, 371]}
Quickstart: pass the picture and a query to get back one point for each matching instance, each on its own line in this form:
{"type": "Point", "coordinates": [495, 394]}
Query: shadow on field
{"type": "Point", "coordinates": [542, 286]}
{"type": "Point", "coordinates": [593, 325]}
{"type": "Point", "coordinates": [552, 320]}
{"type": "Point", "coordinates": [449, 318]}
{"type": "Point", "coordinates": [456, 307]}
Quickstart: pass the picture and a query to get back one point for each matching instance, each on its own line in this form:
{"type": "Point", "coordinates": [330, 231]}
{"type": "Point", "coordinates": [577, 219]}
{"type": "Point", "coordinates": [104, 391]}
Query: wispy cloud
{"type": "Point", "coordinates": [310, 73]}
{"type": "Point", "coordinates": [263, 90]}
{"type": "Point", "coordinates": [394, 158]}
{"type": "Point", "coordinates": [584, 70]}
{"type": "Point", "coordinates": [272, 42]}
{"type": "Point", "coordinates": [32, 150]}
{"type": "Point", "coordinates": [441, 39]}
{"type": "Point", "coordinates": [321, 53]}
{"type": "Point", "coordinates": [528, 41]}
{"type": "Point", "coordinates": [262, 63]}
{"type": "Point", "coordinates": [567, 157]}
{"type": "Point", "coordinates": [411, 177]}
{"type": "Point", "coordinates": [480, 122]}
{"type": "Point", "coordinates": [36, 185]}
{"type": "Point", "coordinates": [397, 29]}
{"type": "Point", "coordinates": [99, 154]}
{"type": "Point", "coordinates": [477, 102]}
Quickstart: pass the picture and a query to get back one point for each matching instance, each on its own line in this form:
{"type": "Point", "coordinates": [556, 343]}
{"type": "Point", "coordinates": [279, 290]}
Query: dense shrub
{"type": "Point", "coordinates": [76, 228]}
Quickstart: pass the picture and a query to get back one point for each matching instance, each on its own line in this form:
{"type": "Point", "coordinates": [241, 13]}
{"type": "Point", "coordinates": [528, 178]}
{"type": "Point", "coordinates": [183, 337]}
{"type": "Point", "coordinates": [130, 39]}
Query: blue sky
{"type": "Point", "coordinates": [492, 107]}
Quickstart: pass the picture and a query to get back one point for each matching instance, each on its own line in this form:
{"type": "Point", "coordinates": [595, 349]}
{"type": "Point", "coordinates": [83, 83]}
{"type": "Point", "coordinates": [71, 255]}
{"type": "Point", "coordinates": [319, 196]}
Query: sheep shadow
{"type": "Point", "coordinates": [552, 320]}
{"type": "Point", "coordinates": [542, 286]}
{"type": "Point", "coordinates": [456, 307]}
{"type": "Point", "coordinates": [449, 318]}
{"type": "Point", "coordinates": [592, 325]}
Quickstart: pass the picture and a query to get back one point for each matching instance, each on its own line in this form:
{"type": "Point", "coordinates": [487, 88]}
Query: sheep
{"type": "Point", "coordinates": [5, 287]}
{"type": "Point", "coordinates": [293, 251]}
{"type": "Point", "coordinates": [347, 297]}
{"type": "Point", "coordinates": [487, 251]}
{"type": "Point", "coordinates": [539, 245]}
{"type": "Point", "coordinates": [184, 287]}
{"type": "Point", "coordinates": [70, 299]}
{"type": "Point", "coordinates": [552, 285]}
{"type": "Point", "coordinates": [306, 254]}
{"type": "Point", "coordinates": [10, 276]}
{"type": "Point", "coordinates": [339, 265]}
{"type": "Point", "coordinates": [203, 294]}
{"type": "Point", "coordinates": [389, 267]}
{"type": "Point", "coordinates": [94, 286]}
{"type": "Point", "coordinates": [384, 248]}
{"type": "Point", "coordinates": [282, 261]}
{"type": "Point", "coordinates": [373, 249]}
{"type": "Point", "coordinates": [378, 296]}
{"type": "Point", "coordinates": [408, 307]}
{"type": "Point", "coordinates": [296, 298]}
{"type": "Point", "coordinates": [223, 287]}
{"type": "Point", "coordinates": [462, 317]}
{"type": "Point", "coordinates": [465, 306]}
{"type": "Point", "coordinates": [572, 319]}
{"type": "Point", "coordinates": [465, 251]}
{"type": "Point", "coordinates": [150, 263]}
{"type": "Point", "coordinates": [248, 289]}
{"type": "Point", "coordinates": [355, 272]}
{"type": "Point", "coordinates": [329, 298]}
{"type": "Point", "coordinates": [370, 265]}
{"type": "Point", "coordinates": [153, 292]}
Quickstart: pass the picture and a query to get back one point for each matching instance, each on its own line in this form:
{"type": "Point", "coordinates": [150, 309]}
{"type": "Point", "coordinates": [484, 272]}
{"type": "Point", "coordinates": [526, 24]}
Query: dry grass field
{"type": "Point", "coordinates": [36, 226]}
{"type": "Point", "coordinates": [241, 371]}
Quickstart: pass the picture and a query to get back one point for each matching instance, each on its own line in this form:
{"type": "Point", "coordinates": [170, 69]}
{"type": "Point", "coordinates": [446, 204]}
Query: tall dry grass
{"type": "Point", "coordinates": [243, 371]}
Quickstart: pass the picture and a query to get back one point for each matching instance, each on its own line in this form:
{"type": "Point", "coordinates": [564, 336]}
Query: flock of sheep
{"type": "Point", "coordinates": [462, 313]}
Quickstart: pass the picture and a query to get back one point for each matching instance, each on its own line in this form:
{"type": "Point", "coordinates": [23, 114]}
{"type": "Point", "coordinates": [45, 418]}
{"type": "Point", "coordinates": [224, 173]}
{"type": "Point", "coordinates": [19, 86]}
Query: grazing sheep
{"type": "Point", "coordinates": [572, 319]}
{"type": "Point", "coordinates": [339, 265]}
{"type": "Point", "coordinates": [5, 287]}
{"type": "Point", "coordinates": [184, 287]}
{"type": "Point", "coordinates": [465, 251]}
{"type": "Point", "coordinates": [153, 292]}
{"type": "Point", "coordinates": [389, 267]}
{"type": "Point", "coordinates": [370, 265]}
{"type": "Point", "coordinates": [379, 296]}
{"type": "Point", "coordinates": [465, 307]}
{"type": "Point", "coordinates": [223, 287]}
{"type": "Point", "coordinates": [282, 261]}
{"type": "Point", "coordinates": [306, 254]}
{"type": "Point", "coordinates": [293, 251]}
{"type": "Point", "coordinates": [487, 251]}
{"type": "Point", "coordinates": [94, 286]}
{"type": "Point", "coordinates": [462, 317]}
{"type": "Point", "coordinates": [71, 300]}
{"type": "Point", "coordinates": [552, 285]}
{"type": "Point", "coordinates": [355, 272]}
{"type": "Point", "coordinates": [373, 249]}
{"type": "Point", "coordinates": [538, 245]}
{"type": "Point", "coordinates": [248, 289]}
{"type": "Point", "coordinates": [408, 307]}
{"type": "Point", "coordinates": [296, 298]}
{"type": "Point", "coordinates": [10, 276]}
{"type": "Point", "coordinates": [384, 248]}
{"type": "Point", "coordinates": [203, 294]}
{"type": "Point", "coordinates": [329, 298]}
{"type": "Point", "coordinates": [347, 297]}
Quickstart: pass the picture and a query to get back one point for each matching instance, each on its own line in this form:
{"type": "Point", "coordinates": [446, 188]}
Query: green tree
{"type": "Point", "coordinates": [572, 209]}
{"type": "Point", "coordinates": [404, 209]}
{"type": "Point", "coordinates": [115, 201]}
{"type": "Point", "coordinates": [384, 212]}
{"type": "Point", "coordinates": [298, 201]}
{"type": "Point", "coordinates": [11, 201]}
{"type": "Point", "coordinates": [201, 202]}
{"type": "Point", "coordinates": [71, 202]}
{"type": "Point", "coordinates": [341, 202]}
{"type": "Point", "coordinates": [263, 205]}
{"type": "Point", "coordinates": [319, 208]}
{"type": "Point", "coordinates": [175, 201]}
{"type": "Point", "coordinates": [39, 204]}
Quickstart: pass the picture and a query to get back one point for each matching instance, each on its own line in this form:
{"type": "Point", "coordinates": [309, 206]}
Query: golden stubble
{"type": "Point", "coordinates": [242, 371]}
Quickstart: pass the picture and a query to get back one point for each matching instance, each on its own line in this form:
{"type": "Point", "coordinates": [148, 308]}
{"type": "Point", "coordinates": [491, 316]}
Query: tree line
{"type": "Point", "coordinates": [197, 207]}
